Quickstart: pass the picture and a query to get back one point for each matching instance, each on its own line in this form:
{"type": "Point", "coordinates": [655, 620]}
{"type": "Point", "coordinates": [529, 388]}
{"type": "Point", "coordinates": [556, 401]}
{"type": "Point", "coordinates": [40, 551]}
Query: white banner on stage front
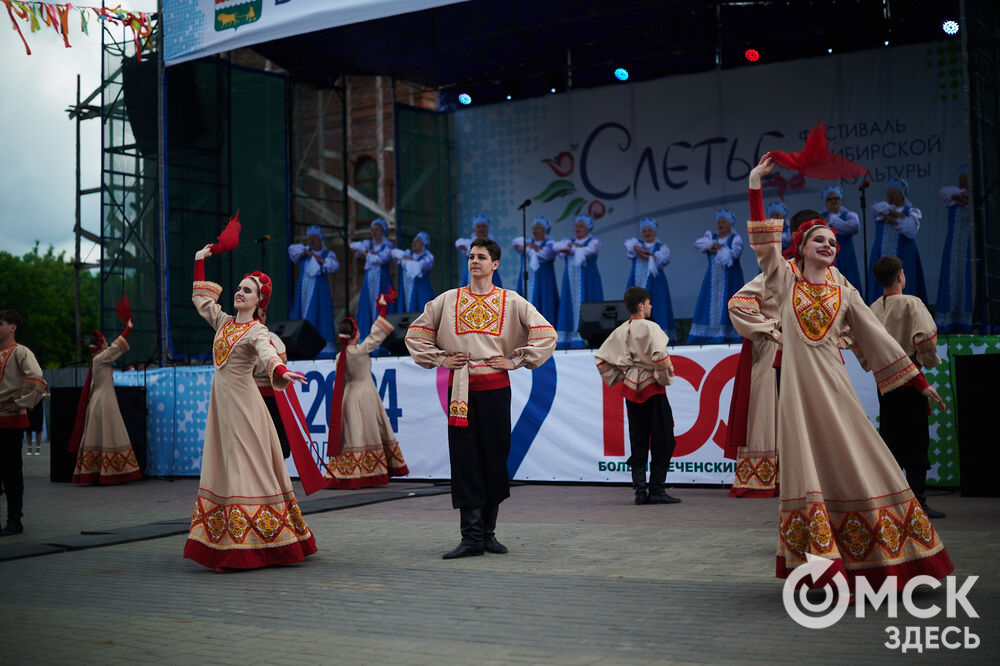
{"type": "Point", "coordinates": [566, 425]}
{"type": "Point", "coordinates": [197, 28]}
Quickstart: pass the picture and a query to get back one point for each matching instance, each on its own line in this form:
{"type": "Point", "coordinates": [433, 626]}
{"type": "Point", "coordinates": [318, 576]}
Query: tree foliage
{"type": "Point", "coordinates": [40, 288]}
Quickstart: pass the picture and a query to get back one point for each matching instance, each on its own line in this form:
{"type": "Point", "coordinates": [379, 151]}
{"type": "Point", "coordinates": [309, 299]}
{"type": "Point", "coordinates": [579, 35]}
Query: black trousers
{"type": "Point", "coordinates": [903, 426]}
{"type": "Point", "coordinates": [478, 453]}
{"type": "Point", "coordinates": [272, 409]}
{"type": "Point", "coordinates": [650, 429]}
{"type": "Point", "coordinates": [11, 473]}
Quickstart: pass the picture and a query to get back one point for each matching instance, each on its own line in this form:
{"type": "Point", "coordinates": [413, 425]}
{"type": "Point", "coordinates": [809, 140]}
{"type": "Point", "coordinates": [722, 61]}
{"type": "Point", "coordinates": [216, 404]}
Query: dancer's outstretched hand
{"type": "Point", "coordinates": [931, 393]}
{"type": "Point", "coordinates": [764, 167]}
{"type": "Point", "coordinates": [295, 377]}
{"type": "Point", "coordinates": [204, 252]}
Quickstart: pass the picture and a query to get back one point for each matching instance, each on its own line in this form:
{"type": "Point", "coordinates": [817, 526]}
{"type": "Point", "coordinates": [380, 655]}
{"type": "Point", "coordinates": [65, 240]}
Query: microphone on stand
{"type": "Point", "coordinates": [262, 239]}
{"type": "Point", "coordinates": [865, 183]}
{"type": "Point", "coordinates": [524, 253]}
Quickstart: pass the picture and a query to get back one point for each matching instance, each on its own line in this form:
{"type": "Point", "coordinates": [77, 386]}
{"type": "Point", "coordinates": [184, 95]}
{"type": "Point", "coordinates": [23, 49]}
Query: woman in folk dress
{"type": "Point", "coordinates": [245, 513]}
{"type": "Point", "coordinates": [843, 497]}
{"type": "Point", "coordinates": [105, 455]}
{"type": "Point", "coordinates": [366, 452]}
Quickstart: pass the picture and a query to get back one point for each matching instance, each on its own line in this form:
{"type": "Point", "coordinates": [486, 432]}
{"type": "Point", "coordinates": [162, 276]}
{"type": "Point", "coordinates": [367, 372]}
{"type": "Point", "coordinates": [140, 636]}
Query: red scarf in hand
{"type": "Point", "coordinates": [816, 160]}
{"type": "Point", "coordinates": [229, 239]}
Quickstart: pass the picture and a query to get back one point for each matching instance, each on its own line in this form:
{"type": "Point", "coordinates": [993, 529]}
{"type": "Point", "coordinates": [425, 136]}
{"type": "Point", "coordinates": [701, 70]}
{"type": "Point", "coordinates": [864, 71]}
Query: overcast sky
{"type": "Point", "coordinates": [37, 174]}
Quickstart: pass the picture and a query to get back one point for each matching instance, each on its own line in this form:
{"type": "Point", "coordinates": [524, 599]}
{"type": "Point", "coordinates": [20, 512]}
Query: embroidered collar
{"type": "Point", "coordinates": [480, 313]}
{"type": "Point", "coordinates": [226, 338]}
{"type": "Point", "coordinates": [5, 355]}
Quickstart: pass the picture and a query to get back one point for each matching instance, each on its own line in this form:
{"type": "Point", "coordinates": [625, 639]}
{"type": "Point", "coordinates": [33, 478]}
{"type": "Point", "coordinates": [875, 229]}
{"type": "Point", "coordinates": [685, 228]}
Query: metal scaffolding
{"type": "Point", "coordinates": [128, 189]}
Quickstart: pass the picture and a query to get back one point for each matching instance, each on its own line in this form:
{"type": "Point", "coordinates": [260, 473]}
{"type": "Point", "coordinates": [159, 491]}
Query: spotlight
{"type": "Point", "coordinates": [465, 98]}
{"type": "Point", "coordinates": [621, 74]}
{"type": "Point", "coordinates": [752, 55]}
{"type": "Point", "coordinates": [950, 27]}
{"type": "Point", "coordinates": [885, 43]}
{"type": "Point", "coordinates": [508, 97]}
{"type": "Point", "coordinates": [552, 90]}
{"type": "Point", "coordinates": [829, 50]}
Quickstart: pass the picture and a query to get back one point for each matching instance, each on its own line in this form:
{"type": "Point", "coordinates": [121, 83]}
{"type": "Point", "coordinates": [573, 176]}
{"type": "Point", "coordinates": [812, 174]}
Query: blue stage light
{"type": "Point", "coordinates": [465, 98]}
{"type": "Point", "coordinates": [621, 74]}
{"type": "Point", "coordinates": [950, 27]}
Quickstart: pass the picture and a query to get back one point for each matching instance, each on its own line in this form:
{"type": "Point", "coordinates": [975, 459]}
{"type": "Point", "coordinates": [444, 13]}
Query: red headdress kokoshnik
{"type": "Point", "coordinates": [264, 286]}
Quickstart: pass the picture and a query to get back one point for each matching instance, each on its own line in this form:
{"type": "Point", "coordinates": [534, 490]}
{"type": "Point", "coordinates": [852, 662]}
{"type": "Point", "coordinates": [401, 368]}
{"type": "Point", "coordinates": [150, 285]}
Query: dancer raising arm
{"type": "Point", "coordinates": [843, 497]}
{"type": "Point", "coordinates": [245, 513]}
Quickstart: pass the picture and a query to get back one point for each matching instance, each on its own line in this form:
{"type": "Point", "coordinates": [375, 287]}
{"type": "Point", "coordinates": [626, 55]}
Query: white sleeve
{"type": "Point", "coordinates": [705, 242]}
{"type": "Point", "coordinates": [547, 251]}
{"type": "Point", "coordinates": [662, 256]}
{"type": "Point", "coordinates": [910, 225]}
{"type": "Point", "coordinates": [630, 247]}
{"type": "Point", "coordinates": [295, 251]}
{"type": "Point", "coordinates": [592, 248]}
{"type": "Point", "coordinates": [330, 263]}
{"type": "Point", "coordinates": [737, 248]}
{"type": "Point", "coordinates": [426, 263]}
{"type": "Point", "coordinates": [947, 194]}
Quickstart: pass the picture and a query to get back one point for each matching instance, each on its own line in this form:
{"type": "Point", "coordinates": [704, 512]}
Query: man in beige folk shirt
{"type": "Point", "coordinates": [21, 388]}
{"type": "Point", "coordinates": [479, 333]}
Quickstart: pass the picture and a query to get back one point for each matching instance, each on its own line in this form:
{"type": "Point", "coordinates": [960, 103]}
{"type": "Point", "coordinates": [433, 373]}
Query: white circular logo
{"type": "Point", "coordinates": [811, 615]}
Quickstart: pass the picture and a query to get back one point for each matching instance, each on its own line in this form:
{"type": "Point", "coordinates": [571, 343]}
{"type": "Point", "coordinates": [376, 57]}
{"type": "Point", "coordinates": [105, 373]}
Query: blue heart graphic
{"type": "Point", "coordinates": [543, 393]}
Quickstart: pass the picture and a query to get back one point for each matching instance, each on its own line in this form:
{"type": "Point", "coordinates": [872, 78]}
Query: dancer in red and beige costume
{"type": "Point", "coordinates": [843, 496]}
{"type": "Point", "coordinates": [245, 514]}
{"type": "Point", "coordinates": [362, 447]}
{"type": "Point", "coordinates": [103, 448]}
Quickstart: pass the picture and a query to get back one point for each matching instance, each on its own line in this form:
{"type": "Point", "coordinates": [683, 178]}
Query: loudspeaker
{"type": "Point", "coordinates": [302, 340]}
{"type": "Point", "coordinates": [975, 400]}
{"type": "Point", "coordinates": [65, 399]}
{"type": "Point", "coordinates": [395, 342]}
{"type": "Point", "coordinates": [139, 93]}
{"type": "Point", "coordinates": [599, 318]}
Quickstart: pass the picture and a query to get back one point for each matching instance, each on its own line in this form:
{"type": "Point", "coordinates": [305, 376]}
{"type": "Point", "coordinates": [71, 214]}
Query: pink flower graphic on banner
{"type": "Point", "coordinates": [596, 209]}
{"type": "Point", "coordinates": [562, 165]}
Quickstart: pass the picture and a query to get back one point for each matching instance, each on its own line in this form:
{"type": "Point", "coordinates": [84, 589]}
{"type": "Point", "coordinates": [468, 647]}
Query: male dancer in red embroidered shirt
{"type": "Point", "coordinates": [479, 332]}
{"type": "Point", "coordinates": [21, 388]}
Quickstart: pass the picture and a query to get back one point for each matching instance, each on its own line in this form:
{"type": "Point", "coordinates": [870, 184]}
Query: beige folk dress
{"type": "Point", "coordinates": [245, 513]}
{"type": "Point", "coordinates": [843, 497]}
{"type": "Point", "coordinates": [105, 455]}
{"type": "Point", "coordinates": [369, 453]}
{"type": "Point", "coordinates": [754, 313]}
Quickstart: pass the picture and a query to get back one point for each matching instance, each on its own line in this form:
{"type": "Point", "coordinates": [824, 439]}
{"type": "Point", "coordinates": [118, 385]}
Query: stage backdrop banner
{"type": "Point", "coordinates": [567, 426]}
{"type": "Point", "coordinates": [196, 28]}
{"type": "Point", "coordinates": [678, 149]}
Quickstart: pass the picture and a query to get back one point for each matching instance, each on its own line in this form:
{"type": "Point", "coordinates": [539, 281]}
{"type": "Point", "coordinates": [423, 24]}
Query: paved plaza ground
{"type": "Point", "coordinates": [590, 579]}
